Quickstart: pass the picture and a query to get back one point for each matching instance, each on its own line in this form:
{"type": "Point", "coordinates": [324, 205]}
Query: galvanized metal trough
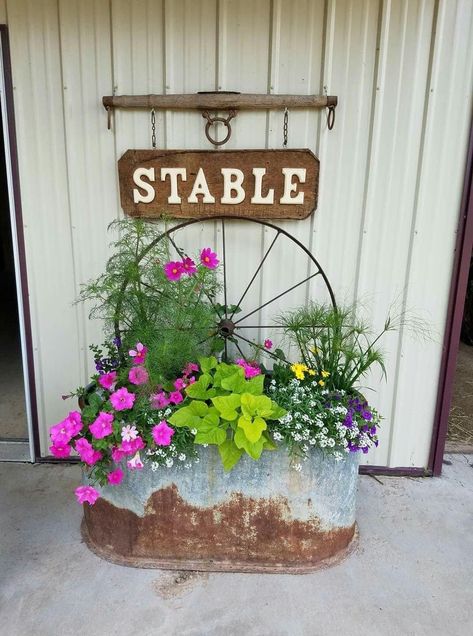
{"type": "Point", "coordinates": [261, 516]}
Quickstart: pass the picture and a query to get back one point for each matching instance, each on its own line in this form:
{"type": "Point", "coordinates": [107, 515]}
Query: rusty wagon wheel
{"type": "Point", "coordinates": [239, 315]}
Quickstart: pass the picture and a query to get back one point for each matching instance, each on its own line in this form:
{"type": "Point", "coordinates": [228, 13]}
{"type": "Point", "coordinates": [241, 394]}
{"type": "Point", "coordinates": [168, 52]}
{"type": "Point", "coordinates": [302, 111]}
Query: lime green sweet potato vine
{"type": "Point", "coordinates": [228, 410]}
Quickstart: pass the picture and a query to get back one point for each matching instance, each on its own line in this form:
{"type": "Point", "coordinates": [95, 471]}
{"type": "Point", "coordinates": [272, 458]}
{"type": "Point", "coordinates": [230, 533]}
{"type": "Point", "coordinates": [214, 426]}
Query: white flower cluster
{"type": "Point", "coordinates": [317, 419]}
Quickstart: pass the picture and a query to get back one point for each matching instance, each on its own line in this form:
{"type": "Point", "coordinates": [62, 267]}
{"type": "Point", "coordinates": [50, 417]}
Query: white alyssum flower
{"type": "Point", "coordinates": [169, 462]}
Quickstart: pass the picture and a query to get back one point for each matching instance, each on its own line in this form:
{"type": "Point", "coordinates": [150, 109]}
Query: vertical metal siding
{"type": "Point", "coordinates": [391, 169]}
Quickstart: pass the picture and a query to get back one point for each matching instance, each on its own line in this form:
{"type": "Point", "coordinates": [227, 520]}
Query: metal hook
{"type": "Point", "coordinates": [109, 117]}
{"type": "Point", "coordinates": [212, 119]}
{"type": "Point", "coordinates": [331, 117]}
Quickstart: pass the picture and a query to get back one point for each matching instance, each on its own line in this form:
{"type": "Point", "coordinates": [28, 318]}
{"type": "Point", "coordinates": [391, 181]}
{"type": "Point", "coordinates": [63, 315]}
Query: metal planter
{"type": "Point", "coordinates": [262, 516]}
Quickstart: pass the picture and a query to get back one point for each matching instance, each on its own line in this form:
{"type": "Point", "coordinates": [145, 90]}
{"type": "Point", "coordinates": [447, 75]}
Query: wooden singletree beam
{"type": "Point", "coordinates": [219, 101]}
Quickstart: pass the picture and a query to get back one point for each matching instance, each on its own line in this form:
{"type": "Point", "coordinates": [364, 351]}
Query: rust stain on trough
{"type": "Point", "coordinates": [247, 533]}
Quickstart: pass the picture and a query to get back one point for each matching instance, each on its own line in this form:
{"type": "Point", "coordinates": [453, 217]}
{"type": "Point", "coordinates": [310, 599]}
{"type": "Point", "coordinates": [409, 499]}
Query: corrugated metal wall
{"type": "Point", "coordinates": [391, 170]}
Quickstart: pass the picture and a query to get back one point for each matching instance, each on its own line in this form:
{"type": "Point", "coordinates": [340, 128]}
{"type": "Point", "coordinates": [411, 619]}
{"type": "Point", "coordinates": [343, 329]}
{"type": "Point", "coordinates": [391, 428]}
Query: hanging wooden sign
{"type": "Point", "coordinates": [262, 184]}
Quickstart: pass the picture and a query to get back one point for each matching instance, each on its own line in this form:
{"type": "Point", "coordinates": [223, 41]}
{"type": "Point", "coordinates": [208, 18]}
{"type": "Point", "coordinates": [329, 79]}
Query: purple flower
{"type": "Point", "coordinates": [117, 342]}
{"type": "Point", "coordinates": [366, 414]}
{"type": "Point", "coordinates": [373, 430]}
{"type": "Point", "coordinates": [348, 421]}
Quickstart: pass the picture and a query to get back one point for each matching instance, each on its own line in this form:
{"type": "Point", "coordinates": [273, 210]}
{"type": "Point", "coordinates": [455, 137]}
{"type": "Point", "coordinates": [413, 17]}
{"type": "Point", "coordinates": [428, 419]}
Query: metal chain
{"type": "Point", "coordinates": [284, 128]}
{"type": "Point", "coordinates": [153, 128]}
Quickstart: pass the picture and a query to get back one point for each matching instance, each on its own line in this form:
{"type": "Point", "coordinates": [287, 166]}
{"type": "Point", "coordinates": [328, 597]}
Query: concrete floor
{"type": "Point", "coordinates": [410, 575]}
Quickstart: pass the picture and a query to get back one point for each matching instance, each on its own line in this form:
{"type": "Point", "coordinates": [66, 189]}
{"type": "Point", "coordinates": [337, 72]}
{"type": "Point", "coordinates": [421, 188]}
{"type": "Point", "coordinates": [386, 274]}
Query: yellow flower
{"type": "Point", "coordinates": [322, 383]}
{"type": "Point", "coordinates": [311, 372]}
{"type": "Point", "coordinates": [325, 374]}
{"type": "Point", "coordinates": [314, 350]}
{"type": "Point", "coordinates": [299, 369]}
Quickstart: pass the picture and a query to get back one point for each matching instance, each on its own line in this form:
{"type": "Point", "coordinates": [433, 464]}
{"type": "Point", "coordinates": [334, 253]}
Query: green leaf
{"type": "Point", "coordinates": [256, 405]}
{"type": "Point", "coordinates": [268, 443]}
{"type": "Point", "coordinates": [213, 436]}
{"type": "Point", "coordinates": [253, 427]}
{"type": "Point", "coordinates": [236, 382]}
{"type": "Point", "coordinates": [254, 450]}
{"type": "Point", "coordinates": [255, 385]}
{"type": "Point", "coordinates": [277, 411]}
{"type": "Point", "coordinates": [223, 371]}
{"type": "Point", "coordinates": [189, 415]}
{"type": "Point", "coordinates": [229, 453]}
{"type": "Point", "coordinates": [227, 405]}
{"type": "Point", "coordinates": [207, 364]}
{"type": "Point", "coordinates": [199, 390]}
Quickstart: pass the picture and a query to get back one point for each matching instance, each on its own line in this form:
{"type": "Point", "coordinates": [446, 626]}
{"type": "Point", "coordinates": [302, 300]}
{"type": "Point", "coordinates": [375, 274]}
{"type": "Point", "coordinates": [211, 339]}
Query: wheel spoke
{"type": "Point", "coordinates": [224, 274]}
{"type": "Point", "coordinates": [256, 273]}
{"type": "Point", "coordinates": [278, 296]}
{"type": "Point", "coordinates": [212, 335]}
{"type": "Point", "coordinates": [239, 349]}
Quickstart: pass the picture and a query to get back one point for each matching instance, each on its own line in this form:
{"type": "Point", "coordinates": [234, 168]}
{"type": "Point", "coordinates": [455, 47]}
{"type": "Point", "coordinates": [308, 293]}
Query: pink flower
{"type": "Point", "coordinates": [159, 400]}
{"type": "Point", "coordinates": [251, 369]}
{"type": "Point", "coordinates": [138, 353]}
{"type": "Point", "coordinates": [86, 452]}
{"type": "Point", "coordinates": [60, 451]}
{"type": "Point", "coordinates": [115, 476]}
{"type": "Point", "coordinates": [64, 431]}
{"type": "Point", "coordinates": [188, 266]}
{"type": "Point", "coordinates": [131, 447]}
{"type": "Point", "coordinates": [179, 384]}
{"type": "Point", "coordinates": [162, 434]}
{"type": "Point", "coordinates": [268, 344]}
{"type": "Point", "coordinates": [174, 270]}
{"type": "Point", "coordinates": [135, 463]}
{"type": "Point", "coordinates": [129, 433]}
{"type": "Point", "coordinates": [102, 426]}
{"type": "Point", "coordinates": [108, 380]}
{"type": "Point", "coordinates": [138, 375]}
{"type": "Point", "coordinates": [191, 379]}
{"type": "Point", "coordinates": [117, 454]}
{"type": "Point", "coordinates": [86, 494]}
{"type": "Point", "coordinates": [122, 399]}
{"type": "Point", "coordinates": [175, 397]}
{"type": "Point", "coordinates": [208, 258]}
{"type": "Point", "coordinates": [190, 367]}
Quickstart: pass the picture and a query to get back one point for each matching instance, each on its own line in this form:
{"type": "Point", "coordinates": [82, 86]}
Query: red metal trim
{"type": "Point", "coordinates": [5, 44]}
{"type": "Point", "coordinates": [461, 266]}
{"type": "Point", "coordinates": [398, 471]}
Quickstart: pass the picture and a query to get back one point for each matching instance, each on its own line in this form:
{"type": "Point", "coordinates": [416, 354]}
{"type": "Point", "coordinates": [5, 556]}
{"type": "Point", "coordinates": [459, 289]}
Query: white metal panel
{"type": "Point", "coordinates": [85, 27]}
{"type": "Point", "coordinates": [38, 94]}
{"type": "Point", "coordinates": [440, 177]}
{"type": "Point", "coordinates": [390, 169]}
{"type": "Point", "coordinates": [3, 12]}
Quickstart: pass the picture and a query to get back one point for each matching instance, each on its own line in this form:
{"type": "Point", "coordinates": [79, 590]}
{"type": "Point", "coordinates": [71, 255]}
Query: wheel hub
{"type": "Point", "coordinates": [226, 327]}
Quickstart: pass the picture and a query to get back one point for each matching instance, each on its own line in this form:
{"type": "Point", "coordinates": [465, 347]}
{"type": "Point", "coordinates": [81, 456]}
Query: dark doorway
{"type": "Point", "coordinates": [460, 420]}
{"type": "Point", "coordinates": [13, 418]}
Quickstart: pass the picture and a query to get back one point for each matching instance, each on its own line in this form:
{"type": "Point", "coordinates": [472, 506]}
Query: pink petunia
{"type": "Point", "coordinates": [86, 452]}
{"type": "Point", "coordinates": [132, 446]}
{"type": "Point", "coordinates": [64, 431]}
{"type": "Point", "coordinates": [179, 384]}
{"type": "Point", "coordinates": [117, 454]}
{"type": "Point", "coordinates": [268, 344]}
{"type": "Point", "coordinates": [122, 399]}
{"type": "Point", "coordinates": [138, 375]}
{"type": "Point", "coordinates": [138, 353]}
{"type": "Point", "coordinates": [135, 462]}
{"type": "Point", "coordinates": [251, 369]}
{"type": "Point", "coordinates": [191, 367]}
{"type": "Point", "coordinates": [159, 400]}
{"type": "Point", "coordinates": [208, 258]}
{"type": "Point", "coordinates": [175, 397]}
{"type": "Point", "coordinates": [60, 451]}
{"type": "Point", "coordinates": [188, 266]}
{"type": "Point", "coordinates": [174, 270]}
{"type": "Point", "coordinates": [102, 426]}
{"type": "Point", "coordinates": [162, 434]}
{"type": "Point", "coordinates": [115, 476]}
{"type": "Point", "coordinates": [191, 380]}
{"type": "Point", "coordinates": [108, 380]}
{"type": "Point", "coordinates": [87, 494]}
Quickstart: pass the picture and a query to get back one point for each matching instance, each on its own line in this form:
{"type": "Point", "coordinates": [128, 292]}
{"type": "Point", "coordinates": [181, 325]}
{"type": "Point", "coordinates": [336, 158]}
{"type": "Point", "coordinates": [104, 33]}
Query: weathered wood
{"type": "Point", "coordinates": [219, 101]}
{"type": "Point", "coordinates": [212, 162]}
